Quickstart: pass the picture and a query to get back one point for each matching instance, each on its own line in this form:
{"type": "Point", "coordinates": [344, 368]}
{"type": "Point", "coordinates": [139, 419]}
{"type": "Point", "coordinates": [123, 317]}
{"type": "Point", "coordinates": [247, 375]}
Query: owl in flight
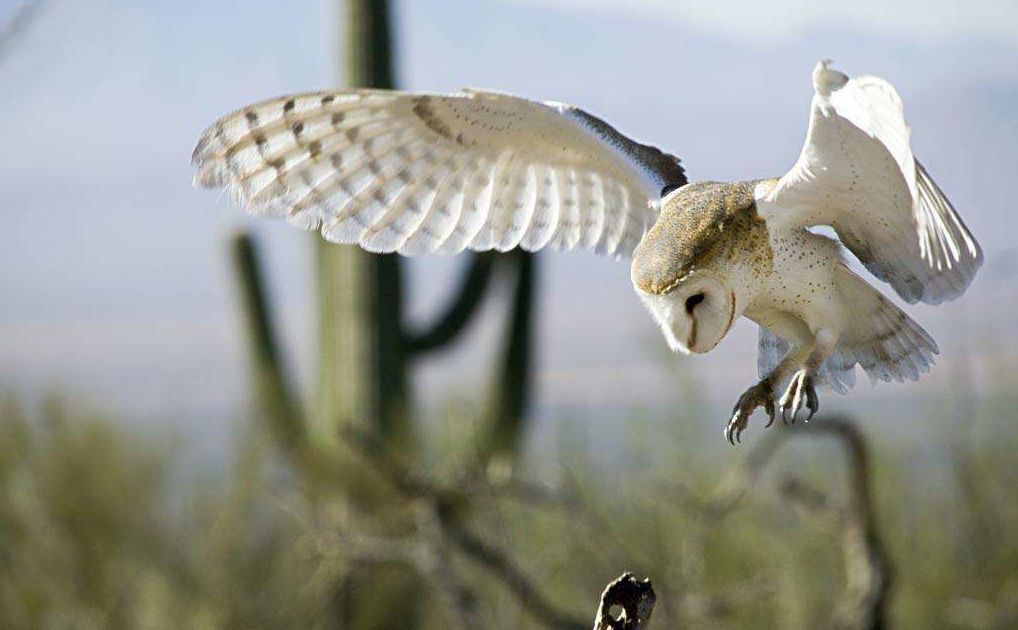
{"type": "Point", "coordinates": [440, 173]}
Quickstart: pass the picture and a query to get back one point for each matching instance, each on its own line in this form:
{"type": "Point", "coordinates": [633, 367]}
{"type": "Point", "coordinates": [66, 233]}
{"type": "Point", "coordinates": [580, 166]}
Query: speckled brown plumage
{"type": "Point", "coordinates": [700, 223]}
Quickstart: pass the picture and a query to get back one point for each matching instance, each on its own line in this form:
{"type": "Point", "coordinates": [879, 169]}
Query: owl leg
{"type": "Point", "coordinates": [798, 367]}
{"type": "Point", "coordinates": [801, 388]}
{"type": "Point", "coordinates": [759, 395]}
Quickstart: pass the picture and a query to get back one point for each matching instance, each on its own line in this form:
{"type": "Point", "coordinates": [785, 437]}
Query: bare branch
{"type": "Point", "coordinates": [863, 604]}
{"type": "Point", "coordinates": [501, 566]}
{"type": "Point", "coordinates": [489, 557]}
{"type": "Point", "coordinates": [634, 601]}
{"type": "Point", "coordinates": [811, 502]}
{"type": "Point", "coordinates": [437, 566]}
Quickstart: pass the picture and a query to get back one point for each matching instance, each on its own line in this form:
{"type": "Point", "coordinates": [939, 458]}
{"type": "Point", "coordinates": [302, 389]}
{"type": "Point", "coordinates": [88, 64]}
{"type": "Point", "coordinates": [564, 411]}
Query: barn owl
{"type": "Point", "coordinates": [420, 173]}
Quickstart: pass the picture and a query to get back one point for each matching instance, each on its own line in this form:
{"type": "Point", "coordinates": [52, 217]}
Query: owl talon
{"type": "Point", "coordinates": [769, 408]}
{"type": "Point", "coordinates": [800, 390]}
{"type": "Point", "coordinates": [760, 395]}
{"type": "Point", "coordinates": [812, 403]}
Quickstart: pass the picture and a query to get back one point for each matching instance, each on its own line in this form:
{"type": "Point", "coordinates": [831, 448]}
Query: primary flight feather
{"type": "Point", "coordinates": [422, 173]}
{"type": "Point", "coordinates": [432, 173]}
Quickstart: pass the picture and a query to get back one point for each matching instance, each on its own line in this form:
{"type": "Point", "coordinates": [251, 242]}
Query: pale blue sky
{"type": "Point", "coordinates": [113, 273]}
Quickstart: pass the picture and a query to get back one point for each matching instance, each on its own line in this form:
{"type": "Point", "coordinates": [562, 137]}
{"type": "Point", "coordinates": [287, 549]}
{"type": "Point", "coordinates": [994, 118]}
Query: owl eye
{"type": "Point", "coordinates": [668, 189]}
{"type": "Point", "coordinates": [693, 300]}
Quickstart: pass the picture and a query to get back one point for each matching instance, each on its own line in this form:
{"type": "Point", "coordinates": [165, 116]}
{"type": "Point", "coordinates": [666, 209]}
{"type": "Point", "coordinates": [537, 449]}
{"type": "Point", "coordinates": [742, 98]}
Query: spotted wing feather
{"type": "Point", "coordinates": [421, 173]}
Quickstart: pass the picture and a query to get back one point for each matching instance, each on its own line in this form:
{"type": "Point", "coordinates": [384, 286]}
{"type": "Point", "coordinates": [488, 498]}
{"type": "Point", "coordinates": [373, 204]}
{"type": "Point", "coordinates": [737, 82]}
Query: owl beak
{"type": "Point", "coordinates": [702, 338]}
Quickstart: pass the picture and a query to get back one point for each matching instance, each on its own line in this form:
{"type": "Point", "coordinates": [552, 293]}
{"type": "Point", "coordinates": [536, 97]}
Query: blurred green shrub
{"type": "Point", "coordinates": [101, 527]}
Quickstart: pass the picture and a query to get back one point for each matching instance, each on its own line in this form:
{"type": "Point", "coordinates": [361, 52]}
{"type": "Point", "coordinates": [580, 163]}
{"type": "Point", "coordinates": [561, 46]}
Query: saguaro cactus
{"type": "Point", "coordinates": [272, 393]}
{"type": "Point", "coordinates": [511, 391]}
{"type": "Point", "coordinates": [365, 350]}
{"type": "Point", "coordinates": [362, 375]}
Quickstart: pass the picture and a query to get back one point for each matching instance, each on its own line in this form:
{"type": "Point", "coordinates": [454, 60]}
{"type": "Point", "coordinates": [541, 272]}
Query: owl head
{"type": "Point", "coordinates": [689, 268]}
{"type": "Point", "coordinates": [694, 315]}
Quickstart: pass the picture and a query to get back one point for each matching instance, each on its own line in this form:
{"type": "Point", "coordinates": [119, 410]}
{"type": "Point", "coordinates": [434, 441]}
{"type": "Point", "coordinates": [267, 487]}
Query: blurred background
{"type": "Point", "coordinates": [185, 440]}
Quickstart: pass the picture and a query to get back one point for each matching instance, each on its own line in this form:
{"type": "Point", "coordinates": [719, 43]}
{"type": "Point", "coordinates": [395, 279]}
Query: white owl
{"type": "Point", "coordinates": [429, 173]}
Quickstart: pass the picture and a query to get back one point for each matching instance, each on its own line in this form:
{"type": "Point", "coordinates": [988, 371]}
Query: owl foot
{"type": "Point", "coordinates": [759, 395]}
{"type": "Point", "coordinates": [800, 390]}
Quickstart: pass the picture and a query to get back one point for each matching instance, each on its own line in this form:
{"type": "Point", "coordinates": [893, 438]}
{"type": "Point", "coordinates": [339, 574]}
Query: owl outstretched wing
{"type": "Point", "coordinates": [421, 173]}
{"type": "Point", "coordinates": [857, 174]}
